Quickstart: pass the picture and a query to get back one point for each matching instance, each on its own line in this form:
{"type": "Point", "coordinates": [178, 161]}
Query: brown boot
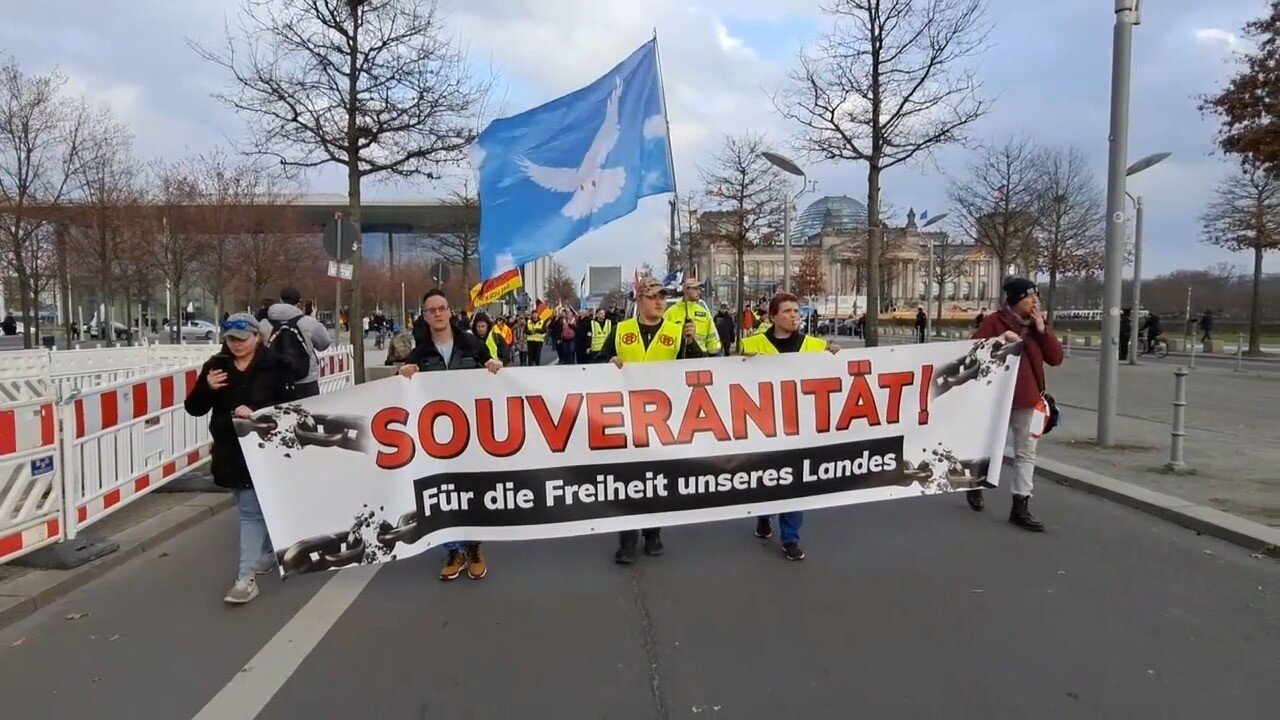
{"type": "Point", "coordinates": [453, 565]}
{"type": "Point", "coordinates": [476, 567]}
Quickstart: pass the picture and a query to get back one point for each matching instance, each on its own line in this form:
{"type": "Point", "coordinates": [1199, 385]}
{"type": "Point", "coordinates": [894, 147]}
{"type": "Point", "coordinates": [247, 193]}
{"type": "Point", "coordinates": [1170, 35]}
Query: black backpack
{"type": "Point", "coordinates": [290, 347]}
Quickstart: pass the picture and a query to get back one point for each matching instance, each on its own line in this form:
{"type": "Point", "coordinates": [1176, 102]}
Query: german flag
{"type": "Point", "coordinates": [495, 288]}
{"type": "Point", "coordinates": [542, 312]}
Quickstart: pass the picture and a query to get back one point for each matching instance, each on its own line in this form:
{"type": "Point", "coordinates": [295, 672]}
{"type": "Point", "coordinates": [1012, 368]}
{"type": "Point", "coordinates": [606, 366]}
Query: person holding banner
{"type": "Point", "coordinates": [647, 337]}
{"type": "Point", "coordinates": [783, 336]}
{"type": "Point", "coordinates": [448, 348]}
{"type": "Point", "coordinates": [1022, 319]}
{"type": "Point", "coordinates": [244, 376]}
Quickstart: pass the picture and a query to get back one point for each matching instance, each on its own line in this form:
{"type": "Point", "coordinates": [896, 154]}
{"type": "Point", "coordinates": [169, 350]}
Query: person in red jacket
{"type": "Point", "coordinates": [1022, 319]}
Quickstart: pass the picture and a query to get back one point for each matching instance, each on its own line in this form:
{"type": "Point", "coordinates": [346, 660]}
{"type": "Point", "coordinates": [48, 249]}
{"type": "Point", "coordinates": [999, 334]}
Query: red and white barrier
{"type": "Point", "coordinates": [64, 468]}
{"type": "Point", "coordinates": [30, 478]}
{"type": "Point", "coordinates": [125, 440]}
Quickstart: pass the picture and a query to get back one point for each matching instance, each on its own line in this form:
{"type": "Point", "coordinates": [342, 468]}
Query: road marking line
{"type": "Point", "coordinates": [262, 677]}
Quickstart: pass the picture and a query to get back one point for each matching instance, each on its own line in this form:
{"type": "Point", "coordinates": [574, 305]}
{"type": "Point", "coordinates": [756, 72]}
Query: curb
{"type": "Point", "coordinates": [23, 596]}
{"type": "Point", "coordinates": [1248, 534]}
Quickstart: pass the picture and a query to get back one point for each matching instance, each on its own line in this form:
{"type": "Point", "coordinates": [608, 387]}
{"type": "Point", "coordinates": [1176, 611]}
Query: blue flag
{"type": "Point", "coordinates": [554, 173]}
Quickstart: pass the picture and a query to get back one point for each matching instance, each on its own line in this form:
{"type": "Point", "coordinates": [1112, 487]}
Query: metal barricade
{"type": "Point", "coordinates": [337, 368]}
{"type": "Point", "coordinates": [30, 478]}
{"type": "Point", "coordinates": [125, 440]}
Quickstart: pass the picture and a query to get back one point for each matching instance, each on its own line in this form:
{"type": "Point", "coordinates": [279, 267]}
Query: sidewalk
{"type": "Point", "coordinates": [1232, 444]}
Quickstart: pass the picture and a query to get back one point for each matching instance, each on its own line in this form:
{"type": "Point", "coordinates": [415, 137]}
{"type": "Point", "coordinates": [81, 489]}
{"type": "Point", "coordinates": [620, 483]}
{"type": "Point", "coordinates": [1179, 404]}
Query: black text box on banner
{"type": "Point", "coordinates": [586, 492]}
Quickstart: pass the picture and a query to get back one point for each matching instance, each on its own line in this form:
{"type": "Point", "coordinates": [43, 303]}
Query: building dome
{"type": "Point", "coordinates": [838, 212]}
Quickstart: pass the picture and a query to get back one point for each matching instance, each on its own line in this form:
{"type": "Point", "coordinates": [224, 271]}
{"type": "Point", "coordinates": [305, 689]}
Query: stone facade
{"type": "Point", "coordinates": [974, 285]}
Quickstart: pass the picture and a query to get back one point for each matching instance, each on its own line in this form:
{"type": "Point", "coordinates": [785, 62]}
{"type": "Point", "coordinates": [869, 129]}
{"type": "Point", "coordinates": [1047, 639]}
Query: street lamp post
{"type": "Point", "coordinates": [928, 293]}
{"type": "Point", "coordinates": [1126, 12]}
{"type": "Point", "coordinates": [786, 165]}
{"type": "Point", "coordinates": [1134, 318]}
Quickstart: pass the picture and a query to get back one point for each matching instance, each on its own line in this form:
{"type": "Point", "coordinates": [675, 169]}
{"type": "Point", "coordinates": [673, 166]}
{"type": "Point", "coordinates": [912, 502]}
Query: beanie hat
{"type": "Point", "coordinates": [1015, 289]}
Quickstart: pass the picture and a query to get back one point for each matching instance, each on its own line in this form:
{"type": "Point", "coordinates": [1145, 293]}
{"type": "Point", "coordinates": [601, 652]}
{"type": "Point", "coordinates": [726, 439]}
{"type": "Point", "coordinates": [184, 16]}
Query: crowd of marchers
{"type": "Point", "coordinates": [272, 358]}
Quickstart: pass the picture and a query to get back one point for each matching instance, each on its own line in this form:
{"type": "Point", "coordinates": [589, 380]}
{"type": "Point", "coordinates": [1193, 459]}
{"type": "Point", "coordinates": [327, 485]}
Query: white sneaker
{"type": "Point", "coordinates": [242, 592]}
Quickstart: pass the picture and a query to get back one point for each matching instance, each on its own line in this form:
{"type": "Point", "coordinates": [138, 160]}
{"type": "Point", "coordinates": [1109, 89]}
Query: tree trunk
{"type": "Point", "coordinates": [353, 195]}
{"type": "Point", "coordinates": [24, 306]}
{"type": "Point", "coordinates": [1255, 302]}
{"type": "Point", "coordinates": [742, 283]}
{"type": "Point", "coordinates": [873, 255]}
{"type": "Point", "coordinates": [1051, 301]}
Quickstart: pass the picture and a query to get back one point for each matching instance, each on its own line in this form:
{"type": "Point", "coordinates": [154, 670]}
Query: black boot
{"type": "Point", "coordinates": [626, 547]}
{"type": "Point", "coordinates": [653, 542]}
{"type": "Point", "coordinates": [1021, 516]}
{"type": "Point", "coordinates": [975, 499]}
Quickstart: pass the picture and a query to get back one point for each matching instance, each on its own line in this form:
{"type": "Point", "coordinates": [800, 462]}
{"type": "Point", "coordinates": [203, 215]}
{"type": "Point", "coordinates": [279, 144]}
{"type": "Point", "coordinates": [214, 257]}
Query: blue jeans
{"type": "Point", "coordinates": [255, 543]}
{"type": "Point", "coordinates": [789, 525]}
{"type": "Point", "coordinates": [458, 546]}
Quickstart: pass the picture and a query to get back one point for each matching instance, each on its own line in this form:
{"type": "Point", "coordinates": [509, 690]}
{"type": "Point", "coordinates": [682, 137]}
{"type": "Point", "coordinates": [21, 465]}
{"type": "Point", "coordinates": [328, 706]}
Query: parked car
{"type": "Point", "coordinates": [119, 330]}
{"type": "Point", "coordinates": [196, 330]}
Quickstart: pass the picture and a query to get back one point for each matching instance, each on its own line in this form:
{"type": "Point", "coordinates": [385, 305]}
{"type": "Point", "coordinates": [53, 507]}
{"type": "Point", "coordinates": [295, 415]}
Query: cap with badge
{"type": "Point", "coordinates": [649, 285]}
{"type": "Point", "coordinates": [240, 326]}
{"type": "Point", "coordinates": [1016, 288]}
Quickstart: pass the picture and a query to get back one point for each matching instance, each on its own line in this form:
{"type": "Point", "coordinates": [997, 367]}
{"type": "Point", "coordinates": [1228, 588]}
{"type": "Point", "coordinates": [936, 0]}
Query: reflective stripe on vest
{"type": "Point", "coordinates": [760, 345]}
{"type": "Point", "coordinates": [599, 333]}
{"type": "Point", "coordinates": [493, 345]}
{"type": "Point", "coordinates": [630, 346]}
{"type": "Point", "coordinates": [537, 331]}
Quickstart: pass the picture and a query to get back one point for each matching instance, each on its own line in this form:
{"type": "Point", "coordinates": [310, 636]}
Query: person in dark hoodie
{"type": "Point", "coordinates": [288, 314]}
{"type": "Point", "coordinates": [444, 346]}
{"type": "Point", "coordinates": [245, 376]}
{"type": "Point", "coordinates": [582, 338]}
{"type": "Point", "coordinates": [1022, 319]}
{"type": "Point", "coordinates": [482, 329]}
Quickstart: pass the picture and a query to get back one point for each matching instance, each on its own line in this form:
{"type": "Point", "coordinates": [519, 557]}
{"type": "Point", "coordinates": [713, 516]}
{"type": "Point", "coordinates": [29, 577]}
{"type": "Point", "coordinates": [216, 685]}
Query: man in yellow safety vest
{"type": "Point", "coordinates": [783, 336]}
{"type": "Point", "coordinates": [536, 335]}
{"type": "Point", "coordinates": [691, 310]}
{"type": "Point", "coordinates": [601, 326]}
{"type": "Point", "coordinates": [647, 337]}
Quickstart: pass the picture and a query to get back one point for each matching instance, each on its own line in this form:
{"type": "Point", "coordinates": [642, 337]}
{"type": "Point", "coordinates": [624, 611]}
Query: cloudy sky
{"type": "Point", "coordinates": [1048, 68]}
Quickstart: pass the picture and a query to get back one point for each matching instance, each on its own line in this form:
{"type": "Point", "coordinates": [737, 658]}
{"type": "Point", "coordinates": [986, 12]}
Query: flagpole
{"type": "Point", "coordinates": [666, 118]}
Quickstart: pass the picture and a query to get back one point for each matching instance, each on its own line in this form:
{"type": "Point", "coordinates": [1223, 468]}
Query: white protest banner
{"type": "Point", "coordinates": [391, 468]}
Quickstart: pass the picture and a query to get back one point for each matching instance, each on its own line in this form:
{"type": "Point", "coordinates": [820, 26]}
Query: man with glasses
{"type": "Point", "coordinates": [445, 346]}
{"type": "Point", "coordinates": [647, 337]}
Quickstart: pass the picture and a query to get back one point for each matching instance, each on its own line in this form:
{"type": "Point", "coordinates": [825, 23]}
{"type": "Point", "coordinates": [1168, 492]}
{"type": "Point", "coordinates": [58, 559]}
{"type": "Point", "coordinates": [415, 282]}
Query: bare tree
{"type": "Point", "coordinates": [376, 86]}
{"type": "Point", "coordinates": [1071, 212]}
{"type": "Point", "coordinates": [745, 195]}
{"type": "Point", "coordinates": [227, 189]}
{"type": "Point", "coordinates": [462, 247]}
{"type": "Point", "coordinates": [271, 247]}
{"type": "Point", "coordinates": [889, 82]}
{"type": "Point", "coordinates": [1245, 216]}
{"type": "Point", "coordinates": [109, 188]}
{"type": "Point", "coordinates": [561, 289]}
{"type": "Point", "coordinates": [997, 206]}
{"type": "Point", "coordinates": [42, 137]}
{"type": "Point", "coordinates": [810, 280]}
{"type": "Point", "coordinates": [179, 243]}
{"type": "Point", "coordinates": [950, 254]}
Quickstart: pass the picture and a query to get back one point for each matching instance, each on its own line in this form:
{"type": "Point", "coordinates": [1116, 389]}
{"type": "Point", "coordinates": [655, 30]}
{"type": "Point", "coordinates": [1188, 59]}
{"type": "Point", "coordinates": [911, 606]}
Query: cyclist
{"type": "Point", "coordinates": [1152, 330]}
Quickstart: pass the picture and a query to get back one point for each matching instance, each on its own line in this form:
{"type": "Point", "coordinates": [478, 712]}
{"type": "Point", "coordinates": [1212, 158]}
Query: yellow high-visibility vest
{"type": "Point", "coordinates": [599, 333]}
{"type": "Point", "coordinates": [630, 346]}
{"type": "Point", "coordinates": [704, 326]}
{"type": "Point", "coordinates": [760, 345]}
{"type": "Point", "coordinates": [537, 331]}
{"type": "Point", "coordinates": [493, 345]}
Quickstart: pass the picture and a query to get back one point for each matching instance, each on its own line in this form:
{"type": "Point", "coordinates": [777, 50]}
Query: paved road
{"type": "Point", "coordinates": [913, 608]}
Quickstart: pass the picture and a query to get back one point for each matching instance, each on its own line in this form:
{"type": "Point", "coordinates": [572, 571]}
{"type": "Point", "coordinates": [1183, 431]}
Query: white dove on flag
{"type": "Point", "coordinates": [592, 184]}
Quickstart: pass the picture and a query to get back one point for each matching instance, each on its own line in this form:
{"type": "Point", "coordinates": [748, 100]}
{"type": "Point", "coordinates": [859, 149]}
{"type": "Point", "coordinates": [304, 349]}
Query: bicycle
{"type": "Point", "coordinates": [1159, 348]}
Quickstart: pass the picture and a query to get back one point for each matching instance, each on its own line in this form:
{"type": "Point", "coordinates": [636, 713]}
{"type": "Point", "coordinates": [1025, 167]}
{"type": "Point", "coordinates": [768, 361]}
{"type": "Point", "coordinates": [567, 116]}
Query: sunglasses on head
{"type": "Point", "coordinates": [236, 325]}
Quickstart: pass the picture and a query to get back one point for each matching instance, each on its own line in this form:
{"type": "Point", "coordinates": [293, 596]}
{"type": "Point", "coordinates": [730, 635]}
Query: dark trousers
{"type": "Point", "coordinates": [629, 538]}
{"type": "Point", "coordinates": [920, 332]}
{"type": "Point", "coordinates": [565, 351]}
{"type": "Point", "coordinates": [298, 391]}
{"type": "Point", "coordinates": [535, 352]}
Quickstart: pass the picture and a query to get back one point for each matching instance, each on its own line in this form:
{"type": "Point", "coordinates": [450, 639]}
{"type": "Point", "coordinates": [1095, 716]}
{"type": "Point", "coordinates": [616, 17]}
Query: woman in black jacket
{"type": "Point", "coordinates": [244, 377]}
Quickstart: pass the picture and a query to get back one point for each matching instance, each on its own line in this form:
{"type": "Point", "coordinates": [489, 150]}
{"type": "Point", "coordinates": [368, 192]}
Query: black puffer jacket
{"type": "Point", "coordinates": [261, 384]}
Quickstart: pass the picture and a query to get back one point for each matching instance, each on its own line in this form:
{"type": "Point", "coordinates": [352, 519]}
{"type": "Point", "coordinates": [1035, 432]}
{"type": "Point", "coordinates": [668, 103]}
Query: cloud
{"type": "Point", "coordinates": [1216, 36]}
